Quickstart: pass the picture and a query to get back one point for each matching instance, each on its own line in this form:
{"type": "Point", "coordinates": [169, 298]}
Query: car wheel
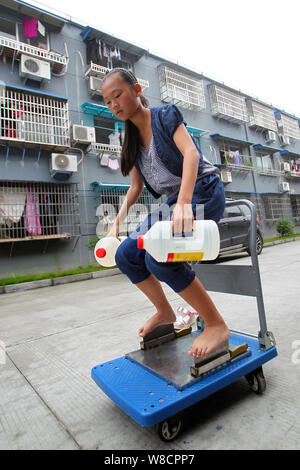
{"type": "Point", "coordinates": [259, 244]}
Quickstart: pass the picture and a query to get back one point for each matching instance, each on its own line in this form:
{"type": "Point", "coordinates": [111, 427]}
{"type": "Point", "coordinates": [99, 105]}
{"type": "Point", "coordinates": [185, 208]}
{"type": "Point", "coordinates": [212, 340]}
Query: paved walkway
{"type": "Point", "coordinates": [53, 337]}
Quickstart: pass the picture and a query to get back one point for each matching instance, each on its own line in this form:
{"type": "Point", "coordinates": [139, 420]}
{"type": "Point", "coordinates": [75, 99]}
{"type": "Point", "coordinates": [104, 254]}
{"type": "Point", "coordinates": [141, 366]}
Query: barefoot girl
{"type": "Point", "coordinates": [159, 152]}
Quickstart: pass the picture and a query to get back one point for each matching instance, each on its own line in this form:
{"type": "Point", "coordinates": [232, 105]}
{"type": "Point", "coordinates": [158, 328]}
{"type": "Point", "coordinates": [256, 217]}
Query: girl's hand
{"type": "Point", "coordinates": [182, 218]}
{"type": "Point", "coordinates": [114, 232]}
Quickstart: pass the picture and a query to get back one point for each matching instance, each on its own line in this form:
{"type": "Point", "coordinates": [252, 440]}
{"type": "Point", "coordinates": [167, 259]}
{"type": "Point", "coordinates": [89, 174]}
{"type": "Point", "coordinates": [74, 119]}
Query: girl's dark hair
{"type": "Point", "coordinates": [132, 142]}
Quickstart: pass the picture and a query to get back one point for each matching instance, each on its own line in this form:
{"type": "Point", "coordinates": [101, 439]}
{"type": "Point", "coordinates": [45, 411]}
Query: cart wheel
{"type": "Point", "coordinates": [257, 381]}
{"type": "Point", "coordinates": [168, 429]}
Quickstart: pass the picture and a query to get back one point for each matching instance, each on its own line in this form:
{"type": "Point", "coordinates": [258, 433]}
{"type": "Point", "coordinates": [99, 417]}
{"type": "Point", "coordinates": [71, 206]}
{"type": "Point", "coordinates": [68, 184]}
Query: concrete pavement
{"type": "Point", "coordinates": [52, 337]}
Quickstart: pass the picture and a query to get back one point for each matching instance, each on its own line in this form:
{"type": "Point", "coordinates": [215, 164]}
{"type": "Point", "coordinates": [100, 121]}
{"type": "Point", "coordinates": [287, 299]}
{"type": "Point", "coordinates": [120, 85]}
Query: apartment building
{"type": "Point", "coordinates": [60, 178]}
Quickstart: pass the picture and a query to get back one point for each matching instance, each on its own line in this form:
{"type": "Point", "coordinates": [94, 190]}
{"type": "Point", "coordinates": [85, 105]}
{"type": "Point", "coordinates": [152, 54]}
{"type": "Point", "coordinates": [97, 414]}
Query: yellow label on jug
{"type": "Point", "coordinates": [197, 256]}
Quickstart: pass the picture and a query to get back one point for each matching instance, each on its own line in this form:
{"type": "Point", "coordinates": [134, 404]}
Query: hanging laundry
{"type": "Point", "coordinates": [113, 164]}
{"type": "Point", "coordinates": [32, 221]}
{"type": "Point", "coordinates": [104, 159]}
{"type": "Point", "coordinates": [11, 206]}
{"type": "Point", "coordinates": [30, 28]}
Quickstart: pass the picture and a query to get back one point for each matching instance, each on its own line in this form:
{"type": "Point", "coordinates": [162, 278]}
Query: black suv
{"type": "Point", "coordinates": [234, 230]}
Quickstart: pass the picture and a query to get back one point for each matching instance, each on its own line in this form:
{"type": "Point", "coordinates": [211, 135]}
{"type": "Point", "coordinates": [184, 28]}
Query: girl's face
{"type": "Point", "coordinates": [121, 98]}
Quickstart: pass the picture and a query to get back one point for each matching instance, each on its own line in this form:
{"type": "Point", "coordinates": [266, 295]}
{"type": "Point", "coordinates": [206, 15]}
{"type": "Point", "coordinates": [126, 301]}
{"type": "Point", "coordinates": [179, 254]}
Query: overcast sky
{"type": "Point", "coordinates": [251, 46]}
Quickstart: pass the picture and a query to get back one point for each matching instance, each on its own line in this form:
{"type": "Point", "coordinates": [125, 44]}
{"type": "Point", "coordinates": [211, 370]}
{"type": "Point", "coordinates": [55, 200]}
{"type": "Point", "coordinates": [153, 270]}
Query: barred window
{"type": "Point", "coordinates": [254, 198]}
{"type": "Point", "coordinates": [227, 104]}
{"type": "Point", "coordinates": [277, 206]}
{"type": "Point", "coordinates": [111, 197]}
{"type": "Point", "coordinates": [37, 211]}
{"type": "Point", "coordinates": [30, 118]}
{"type": "Point", "coordinates": [295, 201]}
{"type": "Point", "coordinates": [181, 89]}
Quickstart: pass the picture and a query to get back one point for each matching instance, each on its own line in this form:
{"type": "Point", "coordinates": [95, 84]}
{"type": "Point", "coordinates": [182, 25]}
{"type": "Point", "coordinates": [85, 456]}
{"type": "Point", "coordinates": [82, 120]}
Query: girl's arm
{"type": "Point", "coordinates": [183, 215]}
{"type": "Point", "coordinates": [132, 195]}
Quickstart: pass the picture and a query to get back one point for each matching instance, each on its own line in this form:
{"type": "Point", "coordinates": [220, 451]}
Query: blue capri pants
{"type": "Point", "coordinates": [137, 264]}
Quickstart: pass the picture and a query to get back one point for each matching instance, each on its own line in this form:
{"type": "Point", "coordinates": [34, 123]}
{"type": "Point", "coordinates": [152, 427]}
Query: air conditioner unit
{"type": "Point", "coordinates": [63, 162]}
{"type": "Point", "coordinates": [226, 176]}
{"type": "Point", "coordinates": [34, 69]}
{"type": "Point", "coordinates": [284, 166]}
{"type": "Point", "coordinates": [270, 136]}
{"type": "Point", "coordinates": [284, 140]}
{"type": "Point", "coordinates": [95, 84]}
{"type": "Point", "coordinates": [83, 134]}
{"type": "Point", "coordinates": [284, 186]}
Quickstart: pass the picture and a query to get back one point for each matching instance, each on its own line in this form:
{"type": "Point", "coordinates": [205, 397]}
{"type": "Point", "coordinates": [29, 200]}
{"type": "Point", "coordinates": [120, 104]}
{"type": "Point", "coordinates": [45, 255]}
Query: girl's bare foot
{"type": "Point", "coordinates": [158, 319]}
{"type": "Point", "coordinates": [209, 340]}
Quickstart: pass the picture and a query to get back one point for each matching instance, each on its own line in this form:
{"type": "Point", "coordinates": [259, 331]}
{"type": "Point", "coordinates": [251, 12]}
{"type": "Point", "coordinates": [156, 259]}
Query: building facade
{"type": "Point", "coordinates": [60, 178]}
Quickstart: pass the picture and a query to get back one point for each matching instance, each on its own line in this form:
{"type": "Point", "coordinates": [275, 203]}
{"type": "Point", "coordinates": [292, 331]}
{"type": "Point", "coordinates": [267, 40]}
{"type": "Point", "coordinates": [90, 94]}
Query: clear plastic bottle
{"type": "Point", "coordinates": [162, 245]}
{"type": "Point", "coordinates": [105, 250]}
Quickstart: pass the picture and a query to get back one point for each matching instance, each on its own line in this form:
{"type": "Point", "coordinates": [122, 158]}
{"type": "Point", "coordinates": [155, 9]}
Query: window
{"type": "Point", "coordinates": [181, 89]}
{"type": "Point", "coordinates": [264, 162]}
{"type": "Point", "coordinates": [30, 211]}
{"type": "Point", "coordinates": [227, 104]}
{"type": "Point", "coordinates": [233, 211]}
{"type": "Point", "coordinates": [7, 28]}
{"type": "Point", "coordinates": [295, 201]}
{"type": "Point", "coordinates": [111, 197]}
{"type": "Point", "coordinates": [107, 131]}
{"type": "Point", "coordinates": [261, 116]}
{"type": "Point", "coordinates": [33, 118]}
{"type": "Point", "coordinates": [277, 207]}
{"type": "Point", "coordinates": [41, 40]}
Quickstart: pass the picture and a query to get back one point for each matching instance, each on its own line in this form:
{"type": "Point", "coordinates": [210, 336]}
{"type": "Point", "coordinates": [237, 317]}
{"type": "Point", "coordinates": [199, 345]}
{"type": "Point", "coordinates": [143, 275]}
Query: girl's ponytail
{"type": "Point", "coordinates": [131, 145]}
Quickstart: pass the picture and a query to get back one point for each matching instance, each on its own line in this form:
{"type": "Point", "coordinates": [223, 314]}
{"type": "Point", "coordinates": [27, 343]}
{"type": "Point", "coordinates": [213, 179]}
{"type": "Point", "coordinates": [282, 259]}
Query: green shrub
{"type": "Point", "coordinates": [284, 227]}
{"type": "Point", "coordinates": [92, 243]}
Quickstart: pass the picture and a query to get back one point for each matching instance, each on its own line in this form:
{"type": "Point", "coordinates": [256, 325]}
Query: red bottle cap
{"type": "Point", "coordinates": [140, 242]}
{"type": "Point", "coordinates": [101, 253]}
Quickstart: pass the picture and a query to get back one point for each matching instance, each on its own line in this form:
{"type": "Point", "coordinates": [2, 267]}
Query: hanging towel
{"type": "Point", "coordinates": [11, 206]}
{"type": "Point", "coordinates": [32, 220]}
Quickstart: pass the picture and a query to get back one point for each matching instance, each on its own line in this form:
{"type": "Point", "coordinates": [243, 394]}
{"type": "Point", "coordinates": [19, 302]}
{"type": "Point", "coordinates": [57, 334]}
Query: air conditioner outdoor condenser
{"type": "Point", "coordinates": [63, 162]}
{"type": "Point", "coordinates": [34, 69]}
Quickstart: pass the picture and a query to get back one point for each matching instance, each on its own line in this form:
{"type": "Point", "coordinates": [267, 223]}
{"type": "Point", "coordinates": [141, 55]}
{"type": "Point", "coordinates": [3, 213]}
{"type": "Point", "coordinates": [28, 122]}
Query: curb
{"type": "Point", "coordinates": [85, 276]}
{"type": "Point", "coordinates": [279, 242]}
{"type": "Point", "coordinates": [57, 281]}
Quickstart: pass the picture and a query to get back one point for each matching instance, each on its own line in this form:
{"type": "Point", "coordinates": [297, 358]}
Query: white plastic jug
{"type": "Point", "coordinates": [105, 250]}
{"type": "Point", "coordinates": [162, 245]}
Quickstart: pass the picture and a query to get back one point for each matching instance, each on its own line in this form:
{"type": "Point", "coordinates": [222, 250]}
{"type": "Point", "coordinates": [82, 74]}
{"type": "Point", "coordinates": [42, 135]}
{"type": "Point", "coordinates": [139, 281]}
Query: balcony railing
{"type": "Point", "coordinates": [34, 119]}
{"type": "Point", "coordinates": [99, 148]}
{"type": "Point", "coordinates": [14, 48]}
{"type": "Point", "coordinates": [237, 161]}
{"type": "Point", "coordinates": [270, 172]}
{"type": "Point", "coordinates": [95, 70]}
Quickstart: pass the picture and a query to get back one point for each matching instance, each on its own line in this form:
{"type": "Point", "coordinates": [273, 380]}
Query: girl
{"type": "Point", "coordinates": [160, 153]}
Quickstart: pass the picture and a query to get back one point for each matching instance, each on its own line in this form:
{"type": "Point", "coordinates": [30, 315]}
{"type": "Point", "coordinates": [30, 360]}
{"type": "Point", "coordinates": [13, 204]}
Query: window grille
{"type": "Point", "coordinates": [95, 70]}
{"type": "Point", "coordinates": [261, 116]}
{"type": "Point", "coordinates": [288, 126]}
{"type": "Point", "coordinates": [254, 198]}
{"type": "Point", "coordinates": [37, 211]}
{"type": "Point", "coordinates": [295, 201]}
{"type": "Point", "coordinates": [277, 207]}
{"type": "Point", "coordinates": [227, 105]}
{"type": "Point", "coordinates": [34, 119]}
{"type": "Point", "coordinates": [111, 197]}
{"type": "Point", "coordinates": [181, 89]}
